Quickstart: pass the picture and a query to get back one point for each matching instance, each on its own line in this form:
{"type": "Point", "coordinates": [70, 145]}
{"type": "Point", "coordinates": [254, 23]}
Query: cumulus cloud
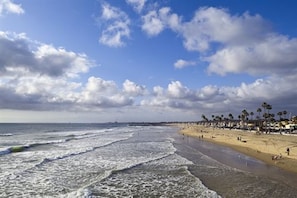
{"type": "Point", "coordinates": [273, 55]}
{"type": "Point", "coordinates": [36, 93]}
{"type": "Point", "coordinates": [20, 55]}
{"type": "Point", "coordinates": [116, 26]}
{"type": "Point", "coordinates": [98, 85]}
{"type": "Point", "coordinates": [238, 43]}
{"type": "Point", "coordinates": [137, 4]}
{"type": "Point", "coordinates": [228, 43]}
{"type": "Point", "coordinates": [38, 76]}
{"type": "Point", "coordinates": [133, 89]}
{"type": "Point", "coordinates": [177, 90]}
{"type": "Point", "coordinates": [48, 93]}
{"type": "Point", "coordinates": [7, 6]}
{"type": "Point", "coordinates": [224, 100]}
{"type": "Point", "coordinates": [176, 97]}
{"type": "Point", "coordinates": [155, 21]}
{"type": "Point", "coordinates": [214, 25]}
{"type": "Point", "coordinates": [208, 92]}
{"type": "Point", "coordinates": [153, 25]}
{"type": "Point", "coordinates": [99, 93]}
{"type": "Point", "coordinates": [179, 64]}
{"type": "Point", "coordinates": [158, 90]}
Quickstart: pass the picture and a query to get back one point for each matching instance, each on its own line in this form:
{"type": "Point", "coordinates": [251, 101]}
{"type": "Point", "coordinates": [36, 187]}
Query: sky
{"type": "Point", "coordinates": [145, 60]}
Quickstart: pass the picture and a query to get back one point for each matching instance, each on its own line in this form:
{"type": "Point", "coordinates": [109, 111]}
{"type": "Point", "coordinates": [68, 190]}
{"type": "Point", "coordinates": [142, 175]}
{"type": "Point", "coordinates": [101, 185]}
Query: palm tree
{"type": "Point", "coordinates": [252, 114]}
{"type": "Point", "coordinates": [280, 115]}
{"type": "Point", "coordinates": [268, 107]}
{"type": "Point", "coordinates": [264, 105]}
{"type": "Point", "coordinates": [285, 113]}
{"type": "Point", "coordinates": [259, 110]}
{"type": "Point", "coordinates": [219, 118]}
{"type": "Point", "coordinates": [244, 114]}
{"type": "Point", "coordinates": [272, 115]}
{"type": "Point", "coordinates": [230, 116]}
{"type": "Point", "coordinates": [204, 117]}
{"type": "Point", "coordinates": [265, 115]}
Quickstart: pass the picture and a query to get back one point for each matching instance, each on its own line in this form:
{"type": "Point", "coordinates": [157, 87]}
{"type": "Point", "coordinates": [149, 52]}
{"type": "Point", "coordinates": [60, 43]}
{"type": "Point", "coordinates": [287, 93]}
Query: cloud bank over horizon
{"type": "Point", "coordinates": [36, 76]}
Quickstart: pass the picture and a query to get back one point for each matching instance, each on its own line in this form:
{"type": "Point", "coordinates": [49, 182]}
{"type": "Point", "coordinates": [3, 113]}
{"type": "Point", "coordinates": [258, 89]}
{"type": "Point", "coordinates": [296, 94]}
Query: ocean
{"type": "Point", "coordinates": [127, 160]}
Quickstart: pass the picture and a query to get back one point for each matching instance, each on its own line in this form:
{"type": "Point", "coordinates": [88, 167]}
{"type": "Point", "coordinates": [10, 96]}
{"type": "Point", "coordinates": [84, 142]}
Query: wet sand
{"type": "Point", "coordinates": [233, 174]}
{"type": "Point", "coordinates": [263, 147]}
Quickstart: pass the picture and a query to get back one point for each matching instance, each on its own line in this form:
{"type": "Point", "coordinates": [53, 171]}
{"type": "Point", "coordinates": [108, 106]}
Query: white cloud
{"type": "Point", "coordinates": [19, 55]}
{"type": "Point", "coordinates": [36, 76]}
{"type": "Point", "coordinates": [229, 44]}
{"type": "Point", "coordinates": [155, 21]}
{"type": "Point", "coordinates": [7, 6]}
{"type": "Point", "coordinates": [39, 76]}
{"type": "Point", "coordinates": [137, 4]}
{"type": "Point", "coordinates": [177, 90]}
{"type": "Point", "coordinates": [224, 100]}
{"type": "Point", "coordinates": [178, 96]}
{"type": "Point", "coordinates": [117, 26]}
{"type": "Point", "coordinates": [271, 89]}
{"type": "Point", "coordinates": [55, 60]}
{"type": "Point", "coordinates": [47, 93]}
{"type": "Point", "coordinates": [175, 97]}
{"type": "Point", "coordinates": [133, 89]}
{"type": "Point", "coordinates": [98, 85]}
{"type": "Point", "coordinates": [36, 93]}
{"type": "Point", "coordinates": [273, 55]}
{"type": "Point", "coordinates": [100, 94]}
{"type": "Point", "coordinates": [208, 92]}
{"type": "Point", "coordinates": [152, 24]}
{"type": "Point", "coordinates": [179, 64]}
{"type": "Point", "coordinates": [158, 90]}
{"type": "Point", "coordinates": [217, 25]}
{"type": "Point", "coordinates": [234, 43]}
{"type": "Point", "coordinates": [109, 12]}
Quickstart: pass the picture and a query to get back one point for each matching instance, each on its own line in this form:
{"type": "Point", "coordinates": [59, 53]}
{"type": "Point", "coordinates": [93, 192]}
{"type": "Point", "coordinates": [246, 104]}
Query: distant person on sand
{"type": "Point", "coordinates": [288, 151]}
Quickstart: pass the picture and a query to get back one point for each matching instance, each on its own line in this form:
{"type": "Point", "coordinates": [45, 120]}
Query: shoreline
{"type": "Point", "coordinates": [263, 147]}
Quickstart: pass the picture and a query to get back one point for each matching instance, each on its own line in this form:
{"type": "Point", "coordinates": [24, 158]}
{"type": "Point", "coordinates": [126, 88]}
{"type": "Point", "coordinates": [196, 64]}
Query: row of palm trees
{"type": "Point", "coordinates": [244, 116]}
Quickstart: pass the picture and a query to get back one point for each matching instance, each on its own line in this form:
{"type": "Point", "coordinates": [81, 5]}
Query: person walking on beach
{"type": "Point", "coordinates": [288, 151]}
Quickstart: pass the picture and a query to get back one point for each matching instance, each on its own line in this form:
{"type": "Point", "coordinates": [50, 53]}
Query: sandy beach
{"type": "Point", "coordinates": [264, 147]}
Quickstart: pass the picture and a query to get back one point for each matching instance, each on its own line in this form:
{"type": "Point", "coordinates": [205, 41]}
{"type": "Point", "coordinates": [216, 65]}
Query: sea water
{"type": "Point", "coordinates": [93, 160]}
{"type": "Point", "coordinates": [118, 160]}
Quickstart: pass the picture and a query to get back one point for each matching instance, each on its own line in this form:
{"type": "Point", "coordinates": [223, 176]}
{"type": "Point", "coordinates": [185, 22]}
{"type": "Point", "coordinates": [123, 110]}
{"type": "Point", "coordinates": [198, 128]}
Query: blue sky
{"type": "Point", "coordinates": [145, 60]}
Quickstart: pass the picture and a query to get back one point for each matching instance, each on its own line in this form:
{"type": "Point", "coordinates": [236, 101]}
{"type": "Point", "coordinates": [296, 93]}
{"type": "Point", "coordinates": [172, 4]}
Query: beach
{"type": "Point", "coordinates": [269, 148]}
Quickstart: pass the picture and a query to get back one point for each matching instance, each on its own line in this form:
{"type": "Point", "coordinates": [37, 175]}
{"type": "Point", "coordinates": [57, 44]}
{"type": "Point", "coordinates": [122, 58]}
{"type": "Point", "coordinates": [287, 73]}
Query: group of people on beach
{"type": "Point", "coordinates": [276, 157]}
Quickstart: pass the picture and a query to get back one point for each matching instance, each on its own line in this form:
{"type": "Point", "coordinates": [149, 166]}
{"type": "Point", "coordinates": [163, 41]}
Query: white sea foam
{"type": "Point", "coordinates": [165, 177]}
{"type": "Point", "coordinates": [24, 168]}
{"type": "Point", "coordinates": [4, 151]}
{"type": "Point", "coordinates": [6, 134]}
{"type": "Point", "coordinates": [82, 163]}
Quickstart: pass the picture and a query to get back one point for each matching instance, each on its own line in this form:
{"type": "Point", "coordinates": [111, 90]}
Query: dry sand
{"type": "Point", "coordinates": [262, 147]}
